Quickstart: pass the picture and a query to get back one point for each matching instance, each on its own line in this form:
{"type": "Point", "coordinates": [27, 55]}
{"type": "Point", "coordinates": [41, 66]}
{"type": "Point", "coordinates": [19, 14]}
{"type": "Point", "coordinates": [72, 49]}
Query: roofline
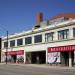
{"type": "Point", "coordinates": [37, 30]}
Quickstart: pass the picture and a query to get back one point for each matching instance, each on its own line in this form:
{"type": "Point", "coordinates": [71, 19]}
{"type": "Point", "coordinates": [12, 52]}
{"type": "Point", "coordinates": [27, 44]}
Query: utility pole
{"type": "Point", "coordinates": [7, 47]}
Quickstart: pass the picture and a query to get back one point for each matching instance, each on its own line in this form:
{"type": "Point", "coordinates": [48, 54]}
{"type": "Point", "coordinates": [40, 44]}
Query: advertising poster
{"type": "Point", "coordinates": [20, 58]}
{"type": "Point", "coordinates": [54, 57]}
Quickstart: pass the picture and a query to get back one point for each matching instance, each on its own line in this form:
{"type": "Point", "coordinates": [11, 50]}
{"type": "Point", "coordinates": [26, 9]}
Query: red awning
{"type": "Point", "coordinates": [19, 52]}
{"type": "Point", "coordinates": [61, 48]}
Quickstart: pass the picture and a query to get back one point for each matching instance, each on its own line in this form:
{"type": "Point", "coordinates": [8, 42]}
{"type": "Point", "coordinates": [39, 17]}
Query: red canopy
{"type": "Point", "coordinates": [19, 52]}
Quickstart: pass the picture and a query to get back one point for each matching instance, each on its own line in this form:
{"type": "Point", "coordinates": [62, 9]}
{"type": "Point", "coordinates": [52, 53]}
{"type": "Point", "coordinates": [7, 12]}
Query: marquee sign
{"type": "Point", "coordinates": [61, 48]}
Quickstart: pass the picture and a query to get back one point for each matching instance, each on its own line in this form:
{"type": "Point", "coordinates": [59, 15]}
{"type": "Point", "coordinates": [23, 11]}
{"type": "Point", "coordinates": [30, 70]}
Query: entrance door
{"type": "Point", "coordinates": [13, 58]}
{"type": "Point", "coordinates": [38, 57]}
{"type": "Point", "coordinates": [72, 57]}
{"type": "Point", "coordinates": [65, 58]}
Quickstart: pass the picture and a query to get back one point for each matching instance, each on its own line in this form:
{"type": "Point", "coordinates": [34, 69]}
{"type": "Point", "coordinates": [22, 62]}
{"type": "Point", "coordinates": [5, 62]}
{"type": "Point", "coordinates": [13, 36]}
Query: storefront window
{"type": "Point", "coordinates": [53, 57]}
{"type": "Point", "coordinates": [63, 34]}
{"type": "Point", "coordinates": [12, 43]}
{"type": "Point", "coordinates": [38, 38]}
{"type": "Point", "coordinates": [28, 57]}
{"type": "Point", "coordinates": [20, 59]}
{"type": "Point", "coordinates": [28, 40]}
{"type": "Point", "coordinates": [49, 37]}
{"type": "Point", "coordinates": [19, 42]}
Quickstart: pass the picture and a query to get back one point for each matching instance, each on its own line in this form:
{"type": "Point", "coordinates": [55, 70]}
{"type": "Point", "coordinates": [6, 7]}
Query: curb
{"type": "Point", "coordinates": [40, 66]}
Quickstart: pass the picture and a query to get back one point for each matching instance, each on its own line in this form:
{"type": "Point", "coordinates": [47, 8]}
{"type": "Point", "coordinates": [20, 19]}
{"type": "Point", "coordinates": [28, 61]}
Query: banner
{"type": "Point", "coordinates": [54, 57]}
{"type": "Point", "coordinates": [19, 52]}
{"type": "Point", "coordinates": [61, 48]}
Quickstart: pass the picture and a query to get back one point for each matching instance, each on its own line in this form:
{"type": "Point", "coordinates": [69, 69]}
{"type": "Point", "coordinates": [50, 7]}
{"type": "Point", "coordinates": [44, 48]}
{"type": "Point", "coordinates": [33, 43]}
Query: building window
{"type": "Point", "coordinates": [28, 40]}
{"type": "Point", "coordinates": [73, 32]}
{"type": "Point", "coordinates": [37, 38]}
{"type": "Point", "coordinates": [12, 43]}
{"type": "Point", "coordinates": [63, 34]}
{"type": "Point", "coordinates": [19, 42]}
{"type": "Point", "coordinates": [49, 37]}
{"type": "Point", "coordinates": [5, 44]}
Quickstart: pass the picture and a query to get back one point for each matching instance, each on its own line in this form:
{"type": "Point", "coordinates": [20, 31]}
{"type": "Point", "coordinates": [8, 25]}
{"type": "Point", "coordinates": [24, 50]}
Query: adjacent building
{"type": "Point", "coordinates": [0, 48]}
{"type": "Point", "coordinates": [48, 42]}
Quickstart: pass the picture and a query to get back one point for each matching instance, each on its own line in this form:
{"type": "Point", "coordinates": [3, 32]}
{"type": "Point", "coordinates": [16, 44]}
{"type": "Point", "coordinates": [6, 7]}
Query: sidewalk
{"type": "Point", "coordinates": [46, 66]}
{"type": "Point", "coordinates": [40, 66]}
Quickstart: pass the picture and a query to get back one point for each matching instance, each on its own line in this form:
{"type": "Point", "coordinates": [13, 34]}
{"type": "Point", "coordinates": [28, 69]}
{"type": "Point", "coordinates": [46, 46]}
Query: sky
{"type": "Point", "coordinates": [20, 15]}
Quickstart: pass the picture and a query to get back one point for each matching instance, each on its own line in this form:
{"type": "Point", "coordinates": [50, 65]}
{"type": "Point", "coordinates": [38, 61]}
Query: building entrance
{"type": "Point", "coordinates": [13, 58]}
{"type": "Point", "coordinates": [65, 58]}
{"type": "Point", "coordinates": [72, 57]}
{"type": "Point", "coordinates": [38, 57]}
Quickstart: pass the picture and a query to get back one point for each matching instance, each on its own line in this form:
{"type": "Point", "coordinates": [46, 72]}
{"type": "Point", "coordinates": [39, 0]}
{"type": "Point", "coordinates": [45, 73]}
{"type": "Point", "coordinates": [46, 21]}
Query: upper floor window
{"type": "Point", "coordinates": [73, 32]}
{"type": "Point", "coordinates": [12, 43]}
{"type": "Point", "coordinates": [19, 42]}
{"type": "Point", "coordinates": [28, 40]}
{"type": "Point", "coordinates": [5, 44]}
{"type": "Point", "coordinates": [37, 38]}
{"type": "Point", "coordinates": [49, 37]}
{"type": "Point", "coordinates": [63, 34]}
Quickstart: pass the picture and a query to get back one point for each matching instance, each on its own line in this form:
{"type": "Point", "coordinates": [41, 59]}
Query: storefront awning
{"type": "Point", "coordinates": [61, 48]}
{"type": "Point", "coordinates": [19, 52]}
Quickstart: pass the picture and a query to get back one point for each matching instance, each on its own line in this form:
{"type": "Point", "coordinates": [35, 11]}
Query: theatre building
{"type": "Point", "coordinates": [48, 42]}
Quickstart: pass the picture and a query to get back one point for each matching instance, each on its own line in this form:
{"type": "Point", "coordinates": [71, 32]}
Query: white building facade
{"type": "Point", "coordinates": [53, 43]}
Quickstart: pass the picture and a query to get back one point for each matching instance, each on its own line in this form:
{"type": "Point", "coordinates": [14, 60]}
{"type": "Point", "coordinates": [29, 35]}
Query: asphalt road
{"type": "Point", "coordinates": [31, 70]}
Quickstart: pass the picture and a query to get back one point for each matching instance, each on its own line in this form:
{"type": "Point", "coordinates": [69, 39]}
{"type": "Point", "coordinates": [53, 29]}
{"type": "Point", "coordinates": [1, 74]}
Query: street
{"type": "Point", "coordinates": [31, 70]}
